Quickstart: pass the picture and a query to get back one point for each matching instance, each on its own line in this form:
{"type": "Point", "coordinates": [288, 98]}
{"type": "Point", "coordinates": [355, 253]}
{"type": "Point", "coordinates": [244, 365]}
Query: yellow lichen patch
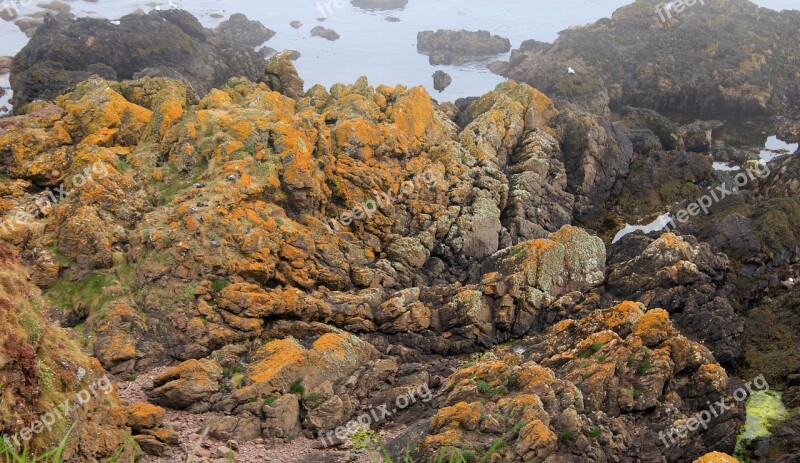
{"type": "Point", "coordinates": [332, 356]}
{"type": "Point", "coordinates": [653, 327]}
{"type": "Point", "coordinates": [413, 114]}
{"type": "Point", "coordinates": [144, 415]}
{"type": "Point", "coordinates": [451, 437]}
{"type": "Point", "coordinates": [713, 376]}
{"type": "Point", "coordinates": [624, 313]}
{"type": "Point", "coordinates": [716, 457]}
{"type": "Point", "coordinates": [216, 99]}
{"type": "Point", "coordinates": [461, 415]}
{"type": "Point", "coordinates": [535, 440]}
{"type": "Point", "coordinates": [95, 109]}
{"type": "Point", "coordinates": [524, 408]}
{"type": "Point", "coordinates": [277, 355]}
{"type": "Point", "coordinates": [357, 137]}
{"type": "Point", "coordinates": [532, 375]}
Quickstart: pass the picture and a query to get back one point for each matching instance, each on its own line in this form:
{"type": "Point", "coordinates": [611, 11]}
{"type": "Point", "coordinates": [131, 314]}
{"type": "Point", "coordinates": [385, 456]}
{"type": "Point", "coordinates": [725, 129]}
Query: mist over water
{"type": "Point", "coordinates": [378, 44]}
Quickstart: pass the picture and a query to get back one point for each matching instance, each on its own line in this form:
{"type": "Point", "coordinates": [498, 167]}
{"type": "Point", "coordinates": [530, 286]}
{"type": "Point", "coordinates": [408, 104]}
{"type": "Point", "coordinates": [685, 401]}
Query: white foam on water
{"type": "Point", "coordinates": [723, 166]}
{"type": "Point", "coordinates": [659, 223]}
{"type": "Point", "coordinates": [774, 147]}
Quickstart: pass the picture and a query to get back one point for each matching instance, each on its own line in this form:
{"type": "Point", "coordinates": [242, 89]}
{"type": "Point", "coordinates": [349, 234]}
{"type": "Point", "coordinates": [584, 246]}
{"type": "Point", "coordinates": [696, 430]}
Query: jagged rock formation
{"type": "Point", "coordinates": [65, 51]}
{"type": "Point", "coordinates": [252, 277]}
{"type": "Point", "coordinates": [292, 259]}
{"type": "Point", "coordinates": [720, 58]}
{"type": "Point", "coordinates": [600, 388]}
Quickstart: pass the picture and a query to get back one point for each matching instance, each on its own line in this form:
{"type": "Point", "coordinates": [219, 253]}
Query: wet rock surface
{"type": "Point", "coordinates": [451, 47]}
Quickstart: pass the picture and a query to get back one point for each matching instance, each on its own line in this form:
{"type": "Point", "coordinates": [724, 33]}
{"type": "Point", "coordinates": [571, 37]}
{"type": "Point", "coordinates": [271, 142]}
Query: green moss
{"type": "Point", "coordinates": [219, 285]}
{"type": "Point", "coordinates": [363, 439]}
{"type": "Point", "coordinates": [487, 390]}
{"type": "Point", "coordinates": [593, 349]}
{"type": "Point", "coordinates": [188, 292]}
{"type": "Point", "coordinates": [237, 380]}
{"type": "Point", "coordinates": [297, 388]}
{"type": "Point", "coordinates": [85, 294]}
{"type": "Point", "coordinates": [46, 377]}
{"type": "Point", "coordinates": [31, 326]}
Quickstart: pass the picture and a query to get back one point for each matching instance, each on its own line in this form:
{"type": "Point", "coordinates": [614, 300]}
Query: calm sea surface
{"type": "Point", "coordinates": [378, 44]}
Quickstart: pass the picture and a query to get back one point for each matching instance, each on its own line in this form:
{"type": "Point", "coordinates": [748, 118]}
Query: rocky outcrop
{"type": "Point", "coordinates": [604, 387]}
{"type": "Point", "coordinates": [452, 47]}
{"type": "Point", "coordinates": [49, 385]}
{"type": "Point", "coordinates": [239, 29]}
{"type": "Point", "coordinates": [291, 260]}
{"type": "Point", "coordinates": [281, 75]}
{"type": "Point", "coordinates": [700, 67]}
{"type": "Point", "coordinates": [689, 281]}
{"type": "Point", "coordinates": [167, 43]}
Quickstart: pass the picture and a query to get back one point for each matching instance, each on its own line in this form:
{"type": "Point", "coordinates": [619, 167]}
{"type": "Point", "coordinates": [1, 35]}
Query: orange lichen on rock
{"type": "Point", "coordinates": [626, 313]}
{"type": "Point", "coordinates": [535, 440]}
{"type": "Point", "coordinates": [142, 415]}
{"type": "Point", "coordinates": [716, 457]}
{"type": "Point", "coordinates": [461, 415]}
{"type": "Point", "coordinates": [654, 327]}
{"type": "Point", "coordinates": [282, 362]}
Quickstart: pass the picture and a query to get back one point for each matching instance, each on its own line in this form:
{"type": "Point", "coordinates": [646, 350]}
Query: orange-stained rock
{"type": "Point", "coordinates": [716, 457]}
{"type": "Point", "coordinates": [143, 415]}
{"type": "Point", "coordinates": [187, 385]}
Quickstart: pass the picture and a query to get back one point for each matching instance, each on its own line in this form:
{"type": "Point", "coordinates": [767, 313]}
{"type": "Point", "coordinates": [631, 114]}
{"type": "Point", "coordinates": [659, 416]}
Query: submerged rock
{"type": "Point", "coordinates": [379, 5]}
